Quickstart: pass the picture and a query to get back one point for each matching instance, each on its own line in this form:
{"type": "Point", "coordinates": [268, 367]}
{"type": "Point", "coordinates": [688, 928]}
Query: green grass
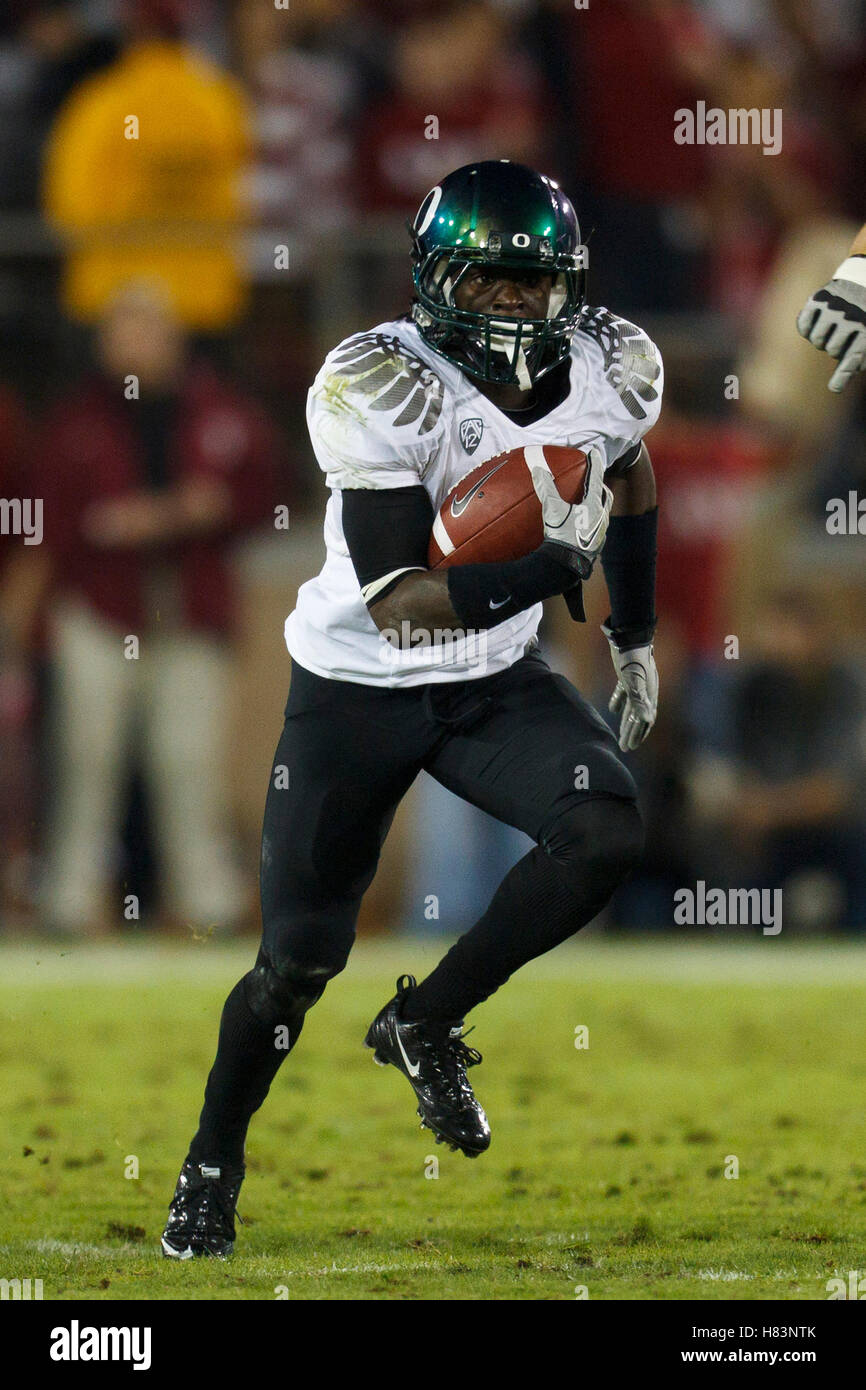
{"type": "Point", "coordinates": [606, 1168]}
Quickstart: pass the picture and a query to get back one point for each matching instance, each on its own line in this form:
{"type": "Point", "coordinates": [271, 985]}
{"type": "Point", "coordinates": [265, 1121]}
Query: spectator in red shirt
{"type": "Point", "coordinates": [462, 91]}
{"type": "Point", "coordinates": [149, 470]}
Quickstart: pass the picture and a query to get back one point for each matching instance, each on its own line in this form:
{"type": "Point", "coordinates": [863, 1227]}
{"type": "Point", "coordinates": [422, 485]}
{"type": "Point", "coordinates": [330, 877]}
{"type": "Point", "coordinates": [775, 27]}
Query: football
{"type": "Point", "coordinates": [493, 513]}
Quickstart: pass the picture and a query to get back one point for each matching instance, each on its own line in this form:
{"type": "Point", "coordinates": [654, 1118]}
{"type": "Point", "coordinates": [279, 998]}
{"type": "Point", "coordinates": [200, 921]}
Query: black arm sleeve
{"type": "Point", "coordinates": [386, 529]}
{"type": "Point", "coordinates": [629, 564]}
{"type": "Point", "coordinates": [485, 595]}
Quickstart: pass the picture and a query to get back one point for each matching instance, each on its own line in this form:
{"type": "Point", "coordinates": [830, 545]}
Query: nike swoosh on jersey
{"type": "Point", "coordinates": [413, 1070]}
{"type": "Point", "coordinates": [459, 504]}
{"type": "Point", "coordinates": [501, 602]}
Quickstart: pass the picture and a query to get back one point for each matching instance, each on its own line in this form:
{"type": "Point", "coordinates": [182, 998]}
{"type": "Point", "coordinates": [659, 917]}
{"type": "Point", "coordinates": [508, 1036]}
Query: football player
{"type": "Point", "coordinates": [499, 350]}
{"type": "Point", "coordinates": [834, 317]}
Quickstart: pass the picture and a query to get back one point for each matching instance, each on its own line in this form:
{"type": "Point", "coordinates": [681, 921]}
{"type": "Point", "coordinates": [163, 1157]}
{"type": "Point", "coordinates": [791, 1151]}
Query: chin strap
{"type": "Point", "coordinates": [500, 343]}
{"type": "Point", "coordinates": [524, 380]}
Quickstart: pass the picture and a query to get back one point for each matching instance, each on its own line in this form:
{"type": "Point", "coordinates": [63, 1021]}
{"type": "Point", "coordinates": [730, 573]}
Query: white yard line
{"type": "Point", "coordinates": [368, 1267]}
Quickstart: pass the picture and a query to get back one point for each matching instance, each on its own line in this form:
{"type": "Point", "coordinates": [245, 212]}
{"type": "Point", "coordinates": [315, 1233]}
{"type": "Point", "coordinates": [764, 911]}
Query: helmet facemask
{"type": "Point", "coordinates": [498, 348]}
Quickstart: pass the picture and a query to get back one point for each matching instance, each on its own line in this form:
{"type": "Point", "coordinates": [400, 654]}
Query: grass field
{"type": "Point", "coordinates": [607, 1167]}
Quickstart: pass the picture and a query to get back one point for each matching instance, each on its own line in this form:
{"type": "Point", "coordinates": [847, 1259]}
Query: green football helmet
{"type": "Point", "coordinates": [497, 214]}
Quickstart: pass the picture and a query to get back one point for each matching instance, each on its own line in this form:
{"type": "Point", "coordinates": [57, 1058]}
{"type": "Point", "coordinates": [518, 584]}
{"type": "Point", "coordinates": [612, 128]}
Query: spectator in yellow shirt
{"type": "Point", "coordinates": [142, 176]}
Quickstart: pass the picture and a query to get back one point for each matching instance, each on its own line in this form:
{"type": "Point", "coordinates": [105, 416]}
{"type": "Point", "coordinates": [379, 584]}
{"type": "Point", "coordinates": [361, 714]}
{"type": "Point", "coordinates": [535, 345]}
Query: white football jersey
{"type": "Point", "coordinates": [387, 411]}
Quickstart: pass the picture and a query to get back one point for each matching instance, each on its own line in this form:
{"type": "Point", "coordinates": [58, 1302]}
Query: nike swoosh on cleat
{"type": "Point", "coordinates": [175, 1254]}
{"type": "Point", "coordinates": [412, 1070]}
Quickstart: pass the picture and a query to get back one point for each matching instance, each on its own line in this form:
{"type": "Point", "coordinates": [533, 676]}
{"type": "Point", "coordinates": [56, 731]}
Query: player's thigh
{"type": "Point", "coordinates": [340, 769]}
{"type": "Point", "coordinates": [540, 750]}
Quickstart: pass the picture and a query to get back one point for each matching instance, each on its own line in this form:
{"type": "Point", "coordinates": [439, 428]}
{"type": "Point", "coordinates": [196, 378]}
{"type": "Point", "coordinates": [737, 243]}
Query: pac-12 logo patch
{"type": "Point", "coordinates": [470, 434]}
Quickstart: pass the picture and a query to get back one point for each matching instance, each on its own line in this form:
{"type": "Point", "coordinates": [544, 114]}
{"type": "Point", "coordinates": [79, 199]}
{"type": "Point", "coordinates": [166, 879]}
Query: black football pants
{"type": "Point", "coordinates": [523, 745]}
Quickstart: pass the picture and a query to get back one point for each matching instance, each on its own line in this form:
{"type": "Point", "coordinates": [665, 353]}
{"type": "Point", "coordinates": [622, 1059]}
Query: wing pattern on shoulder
{"type": "Point", "coordinates": [631, 361]}
{"type": "Point", "coordinates": [382, 368]}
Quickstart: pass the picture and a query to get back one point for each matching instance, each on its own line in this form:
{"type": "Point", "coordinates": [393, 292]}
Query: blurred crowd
{"type": "Point", "coordinates": [198, 198]}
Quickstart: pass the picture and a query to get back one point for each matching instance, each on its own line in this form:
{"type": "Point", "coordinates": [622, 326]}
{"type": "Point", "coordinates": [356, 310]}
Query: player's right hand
{"type": "Point", "coordinates": [834, 319]}
{"type": "Point", "coordinates": [578, 528]}
{"type": "Point", "coordinates": [636, 695]}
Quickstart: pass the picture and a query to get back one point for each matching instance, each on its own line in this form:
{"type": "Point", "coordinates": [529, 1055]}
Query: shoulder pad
{"type": "Point", "coordinates": [382, 369]}
{"type": "Point", "coordinates": [631, 360]}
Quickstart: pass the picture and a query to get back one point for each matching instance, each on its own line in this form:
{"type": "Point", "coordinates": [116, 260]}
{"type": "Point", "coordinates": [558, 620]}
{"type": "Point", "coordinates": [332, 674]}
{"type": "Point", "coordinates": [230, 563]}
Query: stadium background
{"type": "Point", "coordinates": [259, 212]}
{"type": "Point", "coordinates": [257, 218]}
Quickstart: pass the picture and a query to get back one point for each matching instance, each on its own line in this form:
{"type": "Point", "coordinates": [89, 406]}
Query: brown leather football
{"type": "Point", "coordinates": [493, 513]}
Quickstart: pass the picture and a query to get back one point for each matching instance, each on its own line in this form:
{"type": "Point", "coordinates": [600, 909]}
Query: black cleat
{"type": "Point", "coordinates": [434, 1058]}
{"type": "Point", "coordinates": [201, 1218]}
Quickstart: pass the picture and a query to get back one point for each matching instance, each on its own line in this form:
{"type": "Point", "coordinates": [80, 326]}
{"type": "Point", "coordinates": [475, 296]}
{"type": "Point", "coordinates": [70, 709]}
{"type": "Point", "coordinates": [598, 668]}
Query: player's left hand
{"type": "Point", "coordinates": [636, 695]}
{"type": "Point", "coordinates": [834, 319]}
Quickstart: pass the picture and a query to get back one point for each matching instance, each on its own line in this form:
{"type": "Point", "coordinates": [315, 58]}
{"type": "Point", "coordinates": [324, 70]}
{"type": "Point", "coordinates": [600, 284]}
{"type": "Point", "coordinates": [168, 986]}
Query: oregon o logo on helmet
{"type": "Point", "coordinates": [520, 239]}
{"type": "Point", "coordinates": [435, 196]}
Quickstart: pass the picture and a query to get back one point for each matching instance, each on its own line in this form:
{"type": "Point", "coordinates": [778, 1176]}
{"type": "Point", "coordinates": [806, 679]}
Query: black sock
{"type": "Point", "coordinates": [246, 1063]}
{"type": "Point", "coordinates": [549, 895]}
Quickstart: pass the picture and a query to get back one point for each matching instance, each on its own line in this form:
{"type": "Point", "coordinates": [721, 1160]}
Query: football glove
{"type": "Point", "coordinates": [636, 695]}
{"type": "Point", "coordinates": [577, 529]}
{"type": "Point", "coordinates": [834, 319]}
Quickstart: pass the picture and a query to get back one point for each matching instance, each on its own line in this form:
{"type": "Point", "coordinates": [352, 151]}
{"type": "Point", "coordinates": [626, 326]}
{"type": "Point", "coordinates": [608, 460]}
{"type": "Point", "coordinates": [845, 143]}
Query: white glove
{"type": "Point", "coordinates": [636, 695]}
{"type": "Point", "coordinates": [579, 528]}
{"type": "Point", "coordinates": [834, 319]}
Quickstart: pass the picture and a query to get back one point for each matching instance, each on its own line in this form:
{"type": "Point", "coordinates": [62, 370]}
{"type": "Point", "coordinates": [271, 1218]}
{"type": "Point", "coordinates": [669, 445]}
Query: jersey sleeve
{"type": "Point", "coordinates": [374, 414]}
{"type": "Point", "coordinates": [631, 381]}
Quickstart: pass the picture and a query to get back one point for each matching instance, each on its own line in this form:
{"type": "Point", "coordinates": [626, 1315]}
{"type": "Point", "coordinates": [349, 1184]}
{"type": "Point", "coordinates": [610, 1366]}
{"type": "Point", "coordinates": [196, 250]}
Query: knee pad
{"type": "Point", "coordinates": [603, 836]}
{"type": "Point", "coordinates": [283, 995]}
